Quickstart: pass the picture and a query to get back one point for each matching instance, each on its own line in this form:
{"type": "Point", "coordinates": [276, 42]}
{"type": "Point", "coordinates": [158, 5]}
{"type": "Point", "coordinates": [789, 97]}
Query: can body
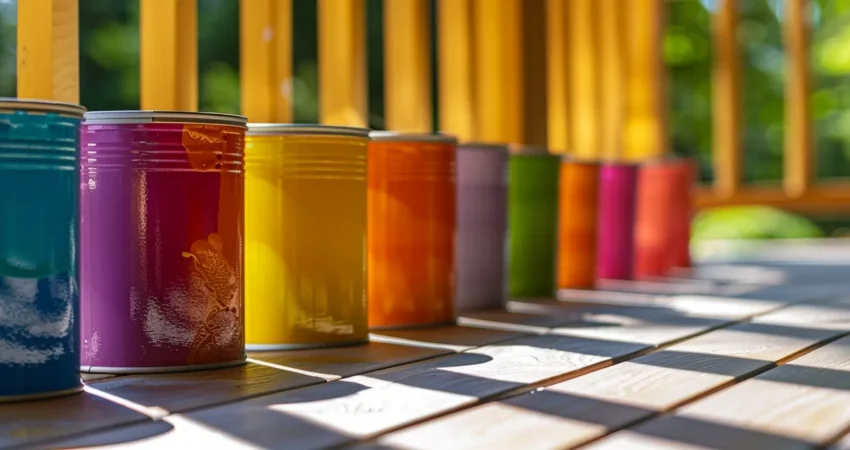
{"type": "Point", "coordinates": [412, 224]}
{"type": "Point", "coordinates": [532, 223]}
{"type": "Point", "coordinates": [306, 239]}
{"type": "Point", "coordinates": [617, 205]}
{"type": "Point", "coordinates": [162, 246]}
{"type": "Point", "coordinates": [39, 297]}
{"type": "Point", "coordinates": [481, 226]}
{"type": "Point", "coordinates": [579, 188]}
{"type": "Point", "coordinates": [683, 211]}
{"type": "Point", "coordinates": [659, 187]}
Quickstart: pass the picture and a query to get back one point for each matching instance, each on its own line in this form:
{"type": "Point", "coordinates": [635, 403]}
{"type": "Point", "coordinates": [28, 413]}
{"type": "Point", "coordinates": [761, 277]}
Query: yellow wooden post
{"type": "Point", "coordinates": [499, 70]}
{"type": "Point", "coordinates": [612, 75]}
{"type": "Point", "coordinates": [265, 58]}
{"type": "Point", "coordinates": [584, 78]}
{"type": "Point", "coordinates": [799, 153]}
{"type": "Point", "coordinates": [645, 134]}
{"type": "Point", "coordinates": [342, 63]}
{"type": "Point", "coordinates": [727, 152]}
{"type": "Point", "coordinates": [169, 54]}
{"type": "Point", "coordinates": [455, 70]}
{"type": "Point", "coordinates": [557, 76]}
{"type": "Point", "coordinates": [48, 50]}
{"type": "Point", "coordinates": [407, 65]}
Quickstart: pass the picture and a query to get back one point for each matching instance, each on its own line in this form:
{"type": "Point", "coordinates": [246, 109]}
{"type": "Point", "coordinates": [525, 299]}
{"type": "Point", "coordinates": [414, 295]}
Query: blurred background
{"type": "Point", "coordinates": [109, 66]}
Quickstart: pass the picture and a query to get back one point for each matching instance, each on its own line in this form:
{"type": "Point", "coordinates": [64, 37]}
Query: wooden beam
{"type": "Point", "coordinates": [612, 75]}
{"type": "Point", "coordinates": [169, 54]}
{"type": "Point", "coordinates": [799, 151]}
{"type": "Point", "coordinates": [824, 199]}
{"type": "Point", "coordinates": [533, 37]}
{"type": "Point", "coordinates": [342, 63]}
{"type": "Point", "coordinates": [646, 120]}
{"type": "Point", "coordinates": [407, 65]}
{"type": "Point", "coordinates": [727, 153]}
{"type": "Point", "coordinates": [499, 70]}
{"type": "Point", "coordinates": [557, 76]}
{"type": "Point", "coordinates": [48, 50]}
{"type": "Point", "coordinates": [265, 60]}
{"type": "Point", "coordinates": [455, 68]}
{"type": "Point", "coordinates": [583, 29]}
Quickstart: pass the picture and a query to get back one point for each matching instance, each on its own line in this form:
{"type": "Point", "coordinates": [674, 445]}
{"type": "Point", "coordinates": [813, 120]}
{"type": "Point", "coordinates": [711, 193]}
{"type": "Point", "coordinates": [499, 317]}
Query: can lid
{"type": "Point", "coordinates": [43, 106]}
{"type": "Point", "coordinates": [118, 117]}
{"type": "Point", "coordinates": [524, 149]}
{"type": "Point", "coordinates": [577, 160]}
{"type": "Point", "coordinates": [485, 146]}
{"type": "Point", "coordinates": [397, 136]}
{"type": "Point", "coordinates": [265, 129]}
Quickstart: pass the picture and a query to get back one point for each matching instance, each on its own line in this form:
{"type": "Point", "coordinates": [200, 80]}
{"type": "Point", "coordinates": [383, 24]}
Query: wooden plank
{"type": "Point", "coordinates": [557, 76]}
{"type": "Point", "coordinates": [581, 409]}
{"type": "Point", "coordinates": [32, 423]}
{"type": "Point", "coordinates": [342, 63]}
{"type": "Point", "coordinates": [348, 361]}
{"type": "Point", "coordinates": [456, 68]}
{"type": "Point", "coordinates": [727, 154]}
{"type": "Point", "coordinates": [168, 34]}
{"type": "Point", "coordinates": [191, 390]}
{"type": "Point", "coordinates": [407, 65]}
{"type": "Point", "coordinates": [449, 337]}
{"type": "Point", "coordinates": [646, 122]}
{"type": "Point", "coordinates": [802, 404]}
{"type": "Point", "coordinates": [585, 119]}
{"type": "Point", "coordinates": [89, 377]}
{"type": "Point", "coordinates": [517, 321]}
{"type": "Point", "coordinates": [799, 162]}
{"type": "Point", "coordinates": [499, 81]}
{"type": "Point", "coordinates": [48, 50]}
{"type": "Point", "coordinates": [342, 411]}
{"type": "Point", "coordinates": [265, 60]}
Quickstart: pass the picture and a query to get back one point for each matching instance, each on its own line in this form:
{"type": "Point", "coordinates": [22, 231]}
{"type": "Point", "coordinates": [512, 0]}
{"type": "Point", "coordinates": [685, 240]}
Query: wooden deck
{"type": "Point", "coordinates": [750, 355]}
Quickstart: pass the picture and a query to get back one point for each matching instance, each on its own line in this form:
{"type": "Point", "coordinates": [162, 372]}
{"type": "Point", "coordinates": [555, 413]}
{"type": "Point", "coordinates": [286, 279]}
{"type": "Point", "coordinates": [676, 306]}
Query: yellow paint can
{"type": "Point", "coordinates": [305, 234]}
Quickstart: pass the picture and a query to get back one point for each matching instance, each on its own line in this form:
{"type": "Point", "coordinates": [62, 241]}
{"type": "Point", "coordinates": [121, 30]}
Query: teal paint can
{"type": "Point", "coordinates": [39, 284]}
{"type": "Point", "coordinates": [533, 175]}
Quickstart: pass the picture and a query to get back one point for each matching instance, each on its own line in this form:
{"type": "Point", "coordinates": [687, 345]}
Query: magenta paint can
{"type": "Point", "coordinates": [616, 221]}
{"type": "Point", "coordinates": [162, 241]}
{"type": "Point", "coordinates": [482, 224]}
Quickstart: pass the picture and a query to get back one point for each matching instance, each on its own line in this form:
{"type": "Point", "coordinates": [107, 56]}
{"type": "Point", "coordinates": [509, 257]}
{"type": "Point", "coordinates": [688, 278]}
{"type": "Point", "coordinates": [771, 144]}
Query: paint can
{"type": "Point", "coordinates": [533, 175]}
{"type": "Point", "coordinates": [412, 225]}
{"type": "Point", "coordinates": [305, 230]}
{"type": "Point", "coordinates": [39, 244]}
{"type": "Point", "coordinates": [162, 241]}
{"type": "Point", "coordinates": [482, 225]}
{"type": "Point", "coordinates": [659, 189]}
{"type": "Point", "coordinates": [616, 221]}
{"type": "Point", "coordinates": [577, 215]}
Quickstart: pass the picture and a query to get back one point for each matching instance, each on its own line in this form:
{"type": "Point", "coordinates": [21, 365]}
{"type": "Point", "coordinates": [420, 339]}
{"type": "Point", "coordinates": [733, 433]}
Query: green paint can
{"type": "Point", "coordinates": [532, 221]}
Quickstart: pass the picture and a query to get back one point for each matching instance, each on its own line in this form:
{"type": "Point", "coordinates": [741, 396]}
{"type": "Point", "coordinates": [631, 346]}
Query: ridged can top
{"type": "Point", "coordinates": [41, 106]}
{"type": "Point", "coordinates": [273, 129]}
{"type": "Point", "coordinates": [395, 136]}
{"type": "Point", "coordinates": [131, 117]}
{"type": "Point", "coordinates": [484, 146]}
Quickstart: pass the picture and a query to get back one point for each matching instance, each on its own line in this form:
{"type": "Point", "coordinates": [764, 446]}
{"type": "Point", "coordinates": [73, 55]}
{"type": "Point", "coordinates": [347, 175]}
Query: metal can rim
{"type": "Point", "coordinates": [43, 106]}
{"type": "Point", "coordinates": [398, 136]}
{"type": "Point", "coordinates": [153, 116]}
{"type": "Point", "coordinates": [568, 158]}
{"type": "Point", "coordinates": [528, 149]}
{"type": "Point", "coordinates": [270, 129]}
{"type": "Point", "coordinates": [485, 146]}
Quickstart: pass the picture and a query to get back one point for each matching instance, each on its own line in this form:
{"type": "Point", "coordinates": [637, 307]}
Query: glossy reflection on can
{"type": "Point", "coordinates": [306, 236]}
{"type": "Point", "coordinates": [577, 216]}
{"type": "Point", "coordinates": [481, 225]}
{"type": "Point", "coordinates": [162, 241]}
{"type": "Point", "coordinates": [616, 221]}
{"type": "Point", "coordinates": [659, 189]}
{"type": "Point", "coordinates": [39, 247]}
{"type": "Point", "coordinates": [412, 224]}
{"type": "Point", "coordinates": [533, 175]}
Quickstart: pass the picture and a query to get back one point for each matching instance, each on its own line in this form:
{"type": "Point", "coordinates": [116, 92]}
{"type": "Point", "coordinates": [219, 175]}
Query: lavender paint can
{"type": "Point", "coordinates": [481, 226]}
{"type": "Point", "coordinates": [617, 207]}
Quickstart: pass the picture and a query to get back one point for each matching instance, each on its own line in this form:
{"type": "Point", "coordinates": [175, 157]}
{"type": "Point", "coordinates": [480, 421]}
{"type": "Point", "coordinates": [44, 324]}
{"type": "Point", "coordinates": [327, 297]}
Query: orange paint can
{"type": "Point", "coordinates": [411, 229]}
{"type": "Point", "coordinates": [577, 223]}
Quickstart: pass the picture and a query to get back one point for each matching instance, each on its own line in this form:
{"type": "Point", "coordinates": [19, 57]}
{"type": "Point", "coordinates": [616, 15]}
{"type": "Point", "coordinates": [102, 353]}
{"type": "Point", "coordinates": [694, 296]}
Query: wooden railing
{"type": "Point", "coordinates": [581, 76]}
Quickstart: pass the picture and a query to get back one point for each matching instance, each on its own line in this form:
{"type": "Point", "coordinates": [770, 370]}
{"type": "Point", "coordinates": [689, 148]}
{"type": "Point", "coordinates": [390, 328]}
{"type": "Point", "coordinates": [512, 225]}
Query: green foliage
{"type": "Point", "coordinates": [752, 222]}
